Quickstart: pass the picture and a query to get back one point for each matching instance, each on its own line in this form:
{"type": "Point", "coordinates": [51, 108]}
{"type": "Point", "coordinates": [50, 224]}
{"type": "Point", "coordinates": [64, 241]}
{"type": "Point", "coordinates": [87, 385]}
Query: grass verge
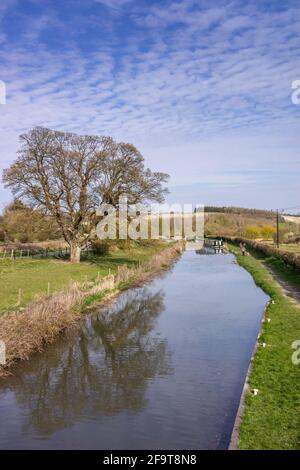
{"type": "Point", "coordinates": [272, 418]}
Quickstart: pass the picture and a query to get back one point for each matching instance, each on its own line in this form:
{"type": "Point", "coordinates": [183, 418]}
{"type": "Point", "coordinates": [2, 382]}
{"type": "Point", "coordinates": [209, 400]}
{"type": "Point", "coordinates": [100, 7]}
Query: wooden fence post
{"type": "Point", "coordinates": [19, 297]}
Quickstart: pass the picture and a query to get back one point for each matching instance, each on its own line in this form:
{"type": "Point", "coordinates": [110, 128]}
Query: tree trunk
{"type": "Point", "coordinates": [75, 253]}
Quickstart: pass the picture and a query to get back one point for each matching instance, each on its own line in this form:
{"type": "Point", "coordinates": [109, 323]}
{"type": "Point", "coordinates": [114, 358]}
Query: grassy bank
{"type": "Point", "coordinates": [39, 324]}
{"type": "Point", "coordinates": [23, 280]}
{"type": "Point", "coordinates": [290, 257]}
{"type": "Point", "coordinates": [293, 247]}
{"type": "Point", "coordinates": [272, 417]}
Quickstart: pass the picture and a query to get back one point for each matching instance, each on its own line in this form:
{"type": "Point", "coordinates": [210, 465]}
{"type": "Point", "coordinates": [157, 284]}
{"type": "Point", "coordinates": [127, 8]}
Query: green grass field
{"type": "Point", "coordinates": [272, 418]}
{"type": "Point", "coordinates": [32, 276]}
{"type": "Point", "coordinates": [293, 247]}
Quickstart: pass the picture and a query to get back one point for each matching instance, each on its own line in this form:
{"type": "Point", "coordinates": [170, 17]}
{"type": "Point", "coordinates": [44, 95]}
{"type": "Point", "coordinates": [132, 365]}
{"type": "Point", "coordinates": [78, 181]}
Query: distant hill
{"type": "Point", "coordinates": [267, 214]}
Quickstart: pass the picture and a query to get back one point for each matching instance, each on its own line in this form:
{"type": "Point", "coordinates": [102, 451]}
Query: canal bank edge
{"type": "Point", "coordinates": [235, 435]}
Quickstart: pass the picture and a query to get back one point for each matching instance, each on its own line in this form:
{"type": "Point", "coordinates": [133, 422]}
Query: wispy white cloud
{"type": "Point", "coordinates": [170, 77]}
{"type": "Point", "coordinates": [114, 3]}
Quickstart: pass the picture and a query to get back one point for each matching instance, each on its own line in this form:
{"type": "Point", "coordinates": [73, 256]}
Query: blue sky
{"type": "Point", "coordinates": [202, 88]}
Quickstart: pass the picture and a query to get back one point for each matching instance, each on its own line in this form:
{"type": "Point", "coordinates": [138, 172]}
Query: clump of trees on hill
{"type": "Point", "coordinates": [66, 177]}
{"type": "Point", "coordinates": [247, 225]}
{"type": "Point", "coordinates": [21, 223]}
{"type": "Point", "coordinates": [242, 211]}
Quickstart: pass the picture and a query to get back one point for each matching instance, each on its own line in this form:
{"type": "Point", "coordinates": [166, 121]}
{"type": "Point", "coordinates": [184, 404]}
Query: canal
{"type": "Point", "coordinates": [160, 367]}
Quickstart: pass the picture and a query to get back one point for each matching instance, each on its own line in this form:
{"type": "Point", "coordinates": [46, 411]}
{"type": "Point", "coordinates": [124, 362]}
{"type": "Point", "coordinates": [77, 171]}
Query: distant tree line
{"type": "Point", "coordinates": [21, 223]}
{"type": "Point", "coordinates": [242, 211]}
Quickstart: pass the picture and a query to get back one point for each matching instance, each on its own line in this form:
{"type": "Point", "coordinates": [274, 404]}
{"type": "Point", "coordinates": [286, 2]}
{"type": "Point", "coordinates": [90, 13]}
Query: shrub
{"type": "Point", "coordinates": [252, 232]}
{"type": "Point", "coordinates": [267, 232]}
{"type": "Point", "coordinates": [100, 248]}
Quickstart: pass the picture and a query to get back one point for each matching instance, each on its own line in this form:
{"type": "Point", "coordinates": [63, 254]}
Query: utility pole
{"type": "Point", "coordinates": [277, 228]}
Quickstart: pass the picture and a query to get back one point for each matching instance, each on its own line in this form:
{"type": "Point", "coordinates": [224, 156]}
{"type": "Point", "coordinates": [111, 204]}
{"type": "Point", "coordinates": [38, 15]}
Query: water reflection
{"type": "Point", "coordinates": [210, 250]}
{"type": "Point", "coordinates": [100, 372]}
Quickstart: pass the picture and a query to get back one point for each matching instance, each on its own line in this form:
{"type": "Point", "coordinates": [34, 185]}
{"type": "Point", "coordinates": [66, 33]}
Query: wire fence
{"type": "Point", "coordinates": [17, 254]}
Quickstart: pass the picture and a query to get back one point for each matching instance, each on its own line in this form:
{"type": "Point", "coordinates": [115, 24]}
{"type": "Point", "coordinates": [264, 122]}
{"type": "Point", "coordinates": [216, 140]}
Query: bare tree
{"type": "Point", "coordinates": [58, 172]}
{"type": "Point", "coordinates": [123, 172]}
{"type": "Point", "coordinates": [69, 176]}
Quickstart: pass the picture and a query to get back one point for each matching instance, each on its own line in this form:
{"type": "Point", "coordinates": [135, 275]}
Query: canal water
{"type": "Point", "coordinates": [161, 367]}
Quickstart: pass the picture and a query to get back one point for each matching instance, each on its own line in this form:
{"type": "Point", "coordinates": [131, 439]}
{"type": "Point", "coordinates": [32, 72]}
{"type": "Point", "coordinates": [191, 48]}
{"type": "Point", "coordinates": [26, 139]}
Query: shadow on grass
{"type": "Point", "coordinates": [109, 260]}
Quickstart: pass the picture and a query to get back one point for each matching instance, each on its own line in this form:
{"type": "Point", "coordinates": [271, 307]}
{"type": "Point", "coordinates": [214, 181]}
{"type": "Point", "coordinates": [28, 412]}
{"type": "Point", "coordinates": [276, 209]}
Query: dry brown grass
{"type": "Point", "coordinates": [147, 270]}
{"type": "Point", "coordinates": [40, 323]}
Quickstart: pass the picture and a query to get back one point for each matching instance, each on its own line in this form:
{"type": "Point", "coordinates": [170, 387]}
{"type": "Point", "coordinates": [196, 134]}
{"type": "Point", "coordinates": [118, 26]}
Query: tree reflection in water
{"type": "Point", "coordinates": [100, 371]}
